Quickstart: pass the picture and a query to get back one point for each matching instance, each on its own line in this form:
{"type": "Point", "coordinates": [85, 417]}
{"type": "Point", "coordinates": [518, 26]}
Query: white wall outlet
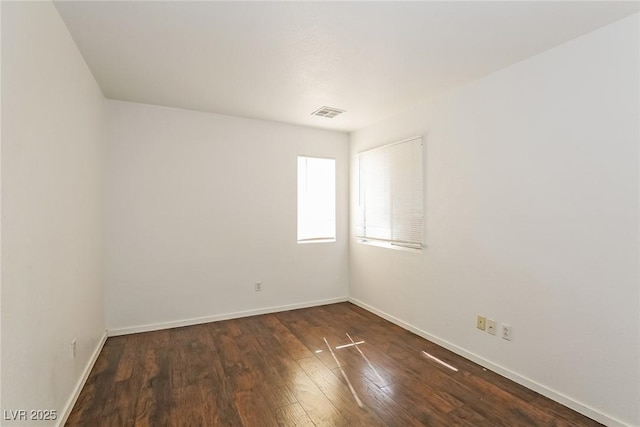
{"type": "Point", "coordinates": [258, 286]}
{"type": "Point", "coordinates": [481, 323]}
{"type": "Point", "coordinates": [491, 326]}
{"type": "Point", "coordinates": [507, 333]}
{"type": "Point", "coordinates": [74, 348]}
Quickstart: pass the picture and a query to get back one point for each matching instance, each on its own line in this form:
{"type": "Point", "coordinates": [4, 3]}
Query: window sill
{"type": "Point", "coordinates": [306, 241]}
{"type": "Point", "coordinates": [389, 245]}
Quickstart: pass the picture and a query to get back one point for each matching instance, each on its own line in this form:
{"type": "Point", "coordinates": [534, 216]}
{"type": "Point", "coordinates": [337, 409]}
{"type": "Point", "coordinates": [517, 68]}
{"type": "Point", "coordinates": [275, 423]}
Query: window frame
{"type": "Point", "coordinates": [360, 222]}
{"type": "Point", "coordinates": [335, 202]}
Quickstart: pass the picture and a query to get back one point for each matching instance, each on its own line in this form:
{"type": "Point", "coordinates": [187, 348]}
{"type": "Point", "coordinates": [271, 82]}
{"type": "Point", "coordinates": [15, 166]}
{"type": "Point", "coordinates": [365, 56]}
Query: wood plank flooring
{"type": "Point", "coordinates": [290, 369]}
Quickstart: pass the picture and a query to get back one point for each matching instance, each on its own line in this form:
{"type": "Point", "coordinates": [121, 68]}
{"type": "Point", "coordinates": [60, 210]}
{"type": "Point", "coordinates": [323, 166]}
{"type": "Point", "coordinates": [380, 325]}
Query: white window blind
{"type": "Point", "coordinates": [316, 199]}
{"type": "Point", "coordinates": [390, 207]}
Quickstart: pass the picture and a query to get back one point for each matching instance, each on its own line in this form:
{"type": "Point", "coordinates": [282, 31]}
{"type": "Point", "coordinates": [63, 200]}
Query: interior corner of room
{"type": "Point", "coordinates": [133, 202]}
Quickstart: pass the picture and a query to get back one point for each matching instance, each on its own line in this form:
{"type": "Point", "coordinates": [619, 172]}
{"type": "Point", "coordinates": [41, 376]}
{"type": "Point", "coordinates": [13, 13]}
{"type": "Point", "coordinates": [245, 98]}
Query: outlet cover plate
{"type": "Point", "coordinates": [507, 333]}
{"type": "Point", "coordinates": [481, 323]}
{"type": "Point", "coordinates": [491, 326]}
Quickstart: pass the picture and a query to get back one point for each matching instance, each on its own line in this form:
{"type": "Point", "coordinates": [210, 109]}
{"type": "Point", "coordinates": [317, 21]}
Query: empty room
{"type": "Point", "coordinates": [320, 213]}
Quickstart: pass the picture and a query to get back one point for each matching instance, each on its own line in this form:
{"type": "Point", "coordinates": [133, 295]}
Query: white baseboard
{"type": "Point", "coordinates": [513, 376]}
{"type": "Point", "coordinates": [218, 317]}
{"type": "Point", "coordinates": [83, 379]}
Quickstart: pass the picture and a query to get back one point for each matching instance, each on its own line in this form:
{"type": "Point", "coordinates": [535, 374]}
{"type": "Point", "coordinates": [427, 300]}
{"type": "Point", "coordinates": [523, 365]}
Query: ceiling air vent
{"type": "Point", "coordinates": [328, 112]}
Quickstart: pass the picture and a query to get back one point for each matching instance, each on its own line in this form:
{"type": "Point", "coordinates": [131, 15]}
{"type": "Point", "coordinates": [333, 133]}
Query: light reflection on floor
{"type": "Point", "coordinates": [344, 375]}
{"type": "Point", "coordinates": [356, 345]}
{"type": "Point", "coordinates": [375, 371]}
{"type": "Point", "coordinates": [439, 361]}
{"type": "Point", "coordinates": [349, 345]}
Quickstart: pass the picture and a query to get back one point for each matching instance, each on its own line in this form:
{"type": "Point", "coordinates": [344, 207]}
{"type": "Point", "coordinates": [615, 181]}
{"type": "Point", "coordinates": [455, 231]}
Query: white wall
{"type": "Point", "coordinates": [532, 211]}
{"type": "Point", "coordinates": [51, 210]}
{"type": "Point", "coordinates": [201, 206]}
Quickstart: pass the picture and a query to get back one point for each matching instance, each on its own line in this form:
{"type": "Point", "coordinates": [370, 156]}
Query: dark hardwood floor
{"type": "Point", "coordinates": [289, 369]}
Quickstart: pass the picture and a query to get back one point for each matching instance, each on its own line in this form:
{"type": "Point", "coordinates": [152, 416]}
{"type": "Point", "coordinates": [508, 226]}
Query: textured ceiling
{"type": "Point", "coordinates": [283, 60]}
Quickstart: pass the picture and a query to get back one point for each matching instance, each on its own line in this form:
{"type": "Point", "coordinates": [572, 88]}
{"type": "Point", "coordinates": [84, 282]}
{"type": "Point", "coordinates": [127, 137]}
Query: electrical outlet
{"type": "Point", "coordinates": [491, 326]}
{"type": "Point", "coordinates": [507, 333]}
{"type": "Point", "coordinates": [74, 348]}
{"type": "Point", "coordinates": [258, 286]}
{"type": "Point", "coordinates": [481, 323]}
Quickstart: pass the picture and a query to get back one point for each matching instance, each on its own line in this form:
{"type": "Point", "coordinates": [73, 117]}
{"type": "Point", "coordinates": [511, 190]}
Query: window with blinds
{"type": "Point", "coordinates": [316, 200]}
{"type": "Point", "coordinates": [390, 207]}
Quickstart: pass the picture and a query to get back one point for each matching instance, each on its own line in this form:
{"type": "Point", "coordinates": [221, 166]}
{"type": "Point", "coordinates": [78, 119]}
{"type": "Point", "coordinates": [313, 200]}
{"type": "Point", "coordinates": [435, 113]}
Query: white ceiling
{"type": "Point", "coordinates": [283, 60]}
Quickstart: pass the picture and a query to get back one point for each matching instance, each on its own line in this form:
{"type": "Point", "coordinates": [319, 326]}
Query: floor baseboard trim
{"type": "Point", "coordinates": [81, 382]}
{"type": "Point", "coordinates": [513, 376]}
{"type": "Point", "coordinates": [218, 317]}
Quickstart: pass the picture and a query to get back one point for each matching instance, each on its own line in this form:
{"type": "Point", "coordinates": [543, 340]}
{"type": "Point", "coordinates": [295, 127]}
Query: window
{"type": "Point", "coordinates": [316, 199]}
{"type": "Point", "coordinates": [390, 208]}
